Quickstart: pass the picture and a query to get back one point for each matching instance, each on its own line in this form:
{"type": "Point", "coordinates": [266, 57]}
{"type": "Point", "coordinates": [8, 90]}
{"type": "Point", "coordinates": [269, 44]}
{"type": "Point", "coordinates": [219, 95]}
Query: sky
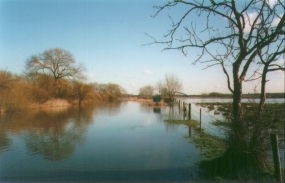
{"type": "Point", "coordinates": [107, 37]}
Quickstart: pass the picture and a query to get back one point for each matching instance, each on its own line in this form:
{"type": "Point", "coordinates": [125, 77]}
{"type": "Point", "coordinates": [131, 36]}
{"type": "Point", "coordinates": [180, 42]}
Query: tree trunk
{"type": "Point", "coordinates": [263, 94]}
{"type": "Point", "coordinates": [238, 134]}
{"type": "Point", "coordinates": [237, 96]}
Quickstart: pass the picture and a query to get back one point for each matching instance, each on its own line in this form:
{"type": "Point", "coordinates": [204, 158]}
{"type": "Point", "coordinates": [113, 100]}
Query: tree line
{"type": "Point", "coordinates": [52, 74]}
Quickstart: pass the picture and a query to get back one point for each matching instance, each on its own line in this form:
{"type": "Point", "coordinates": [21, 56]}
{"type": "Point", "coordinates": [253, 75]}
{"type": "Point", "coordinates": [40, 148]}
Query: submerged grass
{"type": "Point", "coordinates": [191, 123]}
{"type": "Point", "coordinates": [275, 109]}
{"type": "Point", "coordinates": [213, 146]}
{"type": "Point", "coordinates": [221, 123]}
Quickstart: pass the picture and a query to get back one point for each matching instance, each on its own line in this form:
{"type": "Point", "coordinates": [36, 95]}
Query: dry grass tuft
{"type": "Point", "coordinates": [53, 103]}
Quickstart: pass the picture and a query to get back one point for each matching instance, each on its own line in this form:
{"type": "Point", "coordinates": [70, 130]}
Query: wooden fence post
{"type": "Point", "coordinates": [189, 112]}
{"type": "Point", "coordinates": [200, 119]}
{"type": "Point", "coordinates": [276, 157]}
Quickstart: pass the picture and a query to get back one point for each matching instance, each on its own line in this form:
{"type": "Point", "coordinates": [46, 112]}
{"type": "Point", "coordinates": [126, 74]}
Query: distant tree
{"type": "Point", "coordinates": [215, 94]}
{"type": "Point", "coordinates": [146, 91]}
{"type": "Point", "coordinates": [115, 89]}
{"type": "Point", "coordinates": [56, 62]}
{"type": "Point", "coordinates": [110, 88]}
{"type": "Point", "coordinates": [172, 85]}
{"type": "Point", "coordinates": [159, 87]}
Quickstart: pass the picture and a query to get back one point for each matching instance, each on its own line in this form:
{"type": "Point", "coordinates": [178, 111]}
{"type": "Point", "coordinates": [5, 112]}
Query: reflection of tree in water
{"type": "Point", "coordinates": [4, 142]}
{"type": "Point", "coordinates": [51, 133]}
{"type": "Point", "coordinates": [167, 112]}
{"type": "Point", "coordinates": [54, 144]}
{"type": "Point", "coordinates": [57, 141]}
{"type": "Point", "coordinates": [145, 108]}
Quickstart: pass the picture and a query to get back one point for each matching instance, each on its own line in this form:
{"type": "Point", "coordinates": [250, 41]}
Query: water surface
{"type": "Point", "coordinates": [126, 141]}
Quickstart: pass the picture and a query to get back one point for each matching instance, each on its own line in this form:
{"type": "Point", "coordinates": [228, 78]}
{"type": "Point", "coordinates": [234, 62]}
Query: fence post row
{"type": "Point", "coordinates": [189, 111]}
{"type": "Point", "coordinates": [200, 119]}
{"type": "Point", "coordinates": [276, 157]}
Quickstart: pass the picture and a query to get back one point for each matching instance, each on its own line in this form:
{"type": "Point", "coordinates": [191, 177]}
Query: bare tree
{"type": "Point", "coordinates": [146, 91]}
{"type": "Point", "coordinates": [252, 39]}
{"type": "Point", "coordinates": [172, 85]}
{"type": "Point", "coordinates": [111, 88]}
{"type": "Point", "coordinates": [247, 43]}
{"type": "Point", "coordinates": [159, 87]}
{"type": "Point", "coordinates": [56, 62]}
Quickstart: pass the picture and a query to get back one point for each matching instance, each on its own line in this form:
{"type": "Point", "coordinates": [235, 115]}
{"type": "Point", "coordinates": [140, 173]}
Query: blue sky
{"type": "Point", "coordinates": [106, 36]}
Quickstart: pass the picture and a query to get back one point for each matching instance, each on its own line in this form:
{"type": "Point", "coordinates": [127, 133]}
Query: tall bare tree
{"type": "Point", "coordinates": [249, 36]}
{"type": "Point", "coordinates": [172, 84]}
{"type": "Point", "coordinates": [56, 62]}
{"type": "Point", "coordinates": [247, 43]}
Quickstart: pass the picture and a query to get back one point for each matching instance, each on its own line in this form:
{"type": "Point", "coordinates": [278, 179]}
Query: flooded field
{"type": "Point", "coordinates": [126, 141]}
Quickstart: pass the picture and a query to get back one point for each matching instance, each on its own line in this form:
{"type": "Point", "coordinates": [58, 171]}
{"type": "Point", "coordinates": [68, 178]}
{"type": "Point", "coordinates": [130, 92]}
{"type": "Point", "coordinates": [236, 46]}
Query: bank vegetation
{"type": "Point", "coordinates": [52, 78]}
{"type": "Point", "coordinates": [27, 91]}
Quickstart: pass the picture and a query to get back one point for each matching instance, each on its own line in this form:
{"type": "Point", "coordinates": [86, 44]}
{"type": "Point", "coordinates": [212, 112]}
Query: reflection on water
{"type": "Point", "coordinates": [4, 142]}
{"type": "Point", "coordinates": [108, 142]}
{"type": "Point", "coordinates": [124, 141]}
{"type": "Point", "coordinates": [157, 110]}
{"type": "Point", "coordinates": [50, 133]}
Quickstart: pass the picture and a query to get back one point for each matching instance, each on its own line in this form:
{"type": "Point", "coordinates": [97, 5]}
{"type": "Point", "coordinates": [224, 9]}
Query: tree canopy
{"type": "Point", "coordinates": [172, 84]}
{"type": "Point", "coordinates": [146, 91]}
{"type": "Point", "coordinates": [56, 62]}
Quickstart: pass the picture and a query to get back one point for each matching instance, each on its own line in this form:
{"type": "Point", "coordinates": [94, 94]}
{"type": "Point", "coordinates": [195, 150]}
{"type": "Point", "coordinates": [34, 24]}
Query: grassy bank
{"type": "Point", "coordinates": [212, 146]}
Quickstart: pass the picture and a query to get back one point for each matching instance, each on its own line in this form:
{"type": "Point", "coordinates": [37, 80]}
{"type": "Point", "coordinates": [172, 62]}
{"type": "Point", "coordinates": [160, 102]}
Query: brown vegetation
{"type": "Point", "coordinates": [20, 93]}
{"type": "Point", "coordinates": [52, 80]}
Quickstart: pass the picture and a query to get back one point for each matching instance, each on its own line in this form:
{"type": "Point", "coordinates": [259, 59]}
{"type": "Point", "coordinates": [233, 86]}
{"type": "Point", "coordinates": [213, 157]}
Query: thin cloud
{"type": "Point", "coordinates": [252, 16]}
{"type": "Point", "coordinates": [148, 72]}
{"type": "Point", "coordinates": [272, 2]}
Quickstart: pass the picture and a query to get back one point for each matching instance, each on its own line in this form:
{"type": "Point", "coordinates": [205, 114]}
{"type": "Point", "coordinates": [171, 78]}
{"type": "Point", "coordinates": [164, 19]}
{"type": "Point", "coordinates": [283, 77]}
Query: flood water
{"type": "Point", "coordinates": [125, 141]}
